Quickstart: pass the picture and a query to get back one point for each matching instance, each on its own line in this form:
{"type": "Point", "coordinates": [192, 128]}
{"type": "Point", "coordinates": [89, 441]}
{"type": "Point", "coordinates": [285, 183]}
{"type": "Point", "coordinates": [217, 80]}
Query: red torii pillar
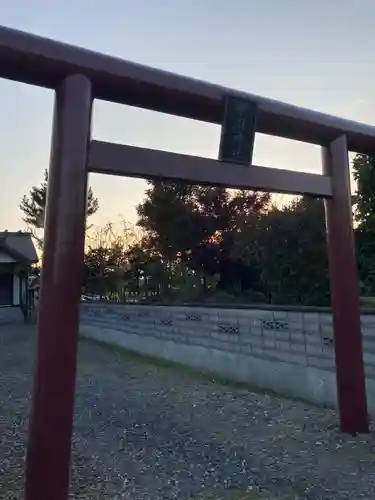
{"type": "Point", "coordinates": [49, 447]}
{"type": "Point", "coordinates": [350, 375]}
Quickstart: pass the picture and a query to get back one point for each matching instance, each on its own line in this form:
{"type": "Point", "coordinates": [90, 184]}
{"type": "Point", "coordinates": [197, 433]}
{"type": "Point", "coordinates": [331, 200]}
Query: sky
{"type": "Point", "coordinates": [313, 53]}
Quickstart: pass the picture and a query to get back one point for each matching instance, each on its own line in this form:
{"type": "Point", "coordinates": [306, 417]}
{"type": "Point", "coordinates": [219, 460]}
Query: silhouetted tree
{"type": "Point", "coordinates": [33, 206]}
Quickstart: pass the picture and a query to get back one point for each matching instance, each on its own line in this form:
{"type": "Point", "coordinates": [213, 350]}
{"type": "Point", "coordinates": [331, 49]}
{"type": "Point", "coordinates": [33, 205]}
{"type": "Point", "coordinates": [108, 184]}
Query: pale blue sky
{"type": "Point", "coordinates": [313, 53]}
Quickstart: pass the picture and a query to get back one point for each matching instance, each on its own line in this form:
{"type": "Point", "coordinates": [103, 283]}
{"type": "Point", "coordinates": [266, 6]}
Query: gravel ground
{"type": "Point", "coordinates": [144, 431]}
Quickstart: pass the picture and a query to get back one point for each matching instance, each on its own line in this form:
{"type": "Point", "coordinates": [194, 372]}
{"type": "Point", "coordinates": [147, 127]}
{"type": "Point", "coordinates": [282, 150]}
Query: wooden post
{"type": "Point", "coordinates": [344, 292]}
{"type": "Point", "coordinates": [49, 447]}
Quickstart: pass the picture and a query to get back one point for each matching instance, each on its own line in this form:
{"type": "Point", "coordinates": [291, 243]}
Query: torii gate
{"type": "Point", "coordinates": [78, 76]}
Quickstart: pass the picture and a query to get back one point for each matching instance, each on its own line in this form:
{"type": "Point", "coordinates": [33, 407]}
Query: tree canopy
{"type": "Point", "coordinates": [200, 243]}
{"type": "Point", "coordinates": [201, 226]}
{"type": "Point", "coordinates": [294, 253]}
{"type": "Point", "coordinates": [364, 213]}
{"type": "Point", "coordinates": [254, 248]}
{"type": "Point", "coordinates": [33, 206]}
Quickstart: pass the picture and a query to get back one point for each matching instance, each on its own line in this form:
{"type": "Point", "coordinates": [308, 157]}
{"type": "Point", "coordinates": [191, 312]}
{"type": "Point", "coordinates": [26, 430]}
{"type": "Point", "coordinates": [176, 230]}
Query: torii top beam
{"type": "Point", "coordinates": [43, 62]}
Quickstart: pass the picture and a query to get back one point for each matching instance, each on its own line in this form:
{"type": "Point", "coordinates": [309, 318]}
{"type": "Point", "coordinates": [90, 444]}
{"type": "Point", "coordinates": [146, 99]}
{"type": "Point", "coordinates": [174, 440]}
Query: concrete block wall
{"type": "Point", "coordinates": [290, 351]}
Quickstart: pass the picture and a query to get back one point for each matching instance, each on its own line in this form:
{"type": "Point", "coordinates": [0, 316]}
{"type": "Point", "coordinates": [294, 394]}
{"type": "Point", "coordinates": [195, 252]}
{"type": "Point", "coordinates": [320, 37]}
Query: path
{"type": "Point", "coordinates": [144, 431]}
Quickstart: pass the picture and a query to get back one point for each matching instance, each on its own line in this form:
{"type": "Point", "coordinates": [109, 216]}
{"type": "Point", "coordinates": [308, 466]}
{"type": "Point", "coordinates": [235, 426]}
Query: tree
{"type": "Point", "coordinates": [171, 218]}
{"type": "Point", "coordinates": [364, 213]}
{"type": "Point", "coordinates": [293, 253]}
{"type": "Point", "coordinates": [199, 225]}
{"type": "Point", "coordinates": [364, 198]}
{"type": "Point", "coordinates": [106, 258]}
{"type": "Point", "coordinates": [33, 206]}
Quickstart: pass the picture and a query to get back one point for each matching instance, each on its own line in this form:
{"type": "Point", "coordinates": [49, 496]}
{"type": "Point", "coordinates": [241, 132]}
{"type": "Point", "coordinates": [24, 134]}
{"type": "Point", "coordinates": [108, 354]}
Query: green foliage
{"type": "Point", "coordinates": [364, 200]}
{"type": "Point", "coordinates": [177, 217]}
{"type": "Point", "coordinates": [207, 244]}
{"type": "Point", "coordinates": [200, 225]}
{"type": "Point", "coordinates": [106, 260]}
{"type": "Point", "coordinates": [33, 206]}
{"type": "Point", "coordinates": [294, 256]}
{"type": "Point", "coordinates": [259, 252]}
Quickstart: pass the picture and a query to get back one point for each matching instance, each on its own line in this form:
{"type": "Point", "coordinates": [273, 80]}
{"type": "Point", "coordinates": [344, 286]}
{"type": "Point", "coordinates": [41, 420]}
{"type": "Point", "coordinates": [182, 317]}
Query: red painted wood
{"type": "Point", "coordinates": [344, 292]}
{"type": "Point", "coordinates": [48, 454]}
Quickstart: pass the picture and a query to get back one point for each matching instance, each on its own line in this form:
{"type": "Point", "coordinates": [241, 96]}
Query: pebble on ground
{"type": "Point", "coordinates": [146, 432]}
